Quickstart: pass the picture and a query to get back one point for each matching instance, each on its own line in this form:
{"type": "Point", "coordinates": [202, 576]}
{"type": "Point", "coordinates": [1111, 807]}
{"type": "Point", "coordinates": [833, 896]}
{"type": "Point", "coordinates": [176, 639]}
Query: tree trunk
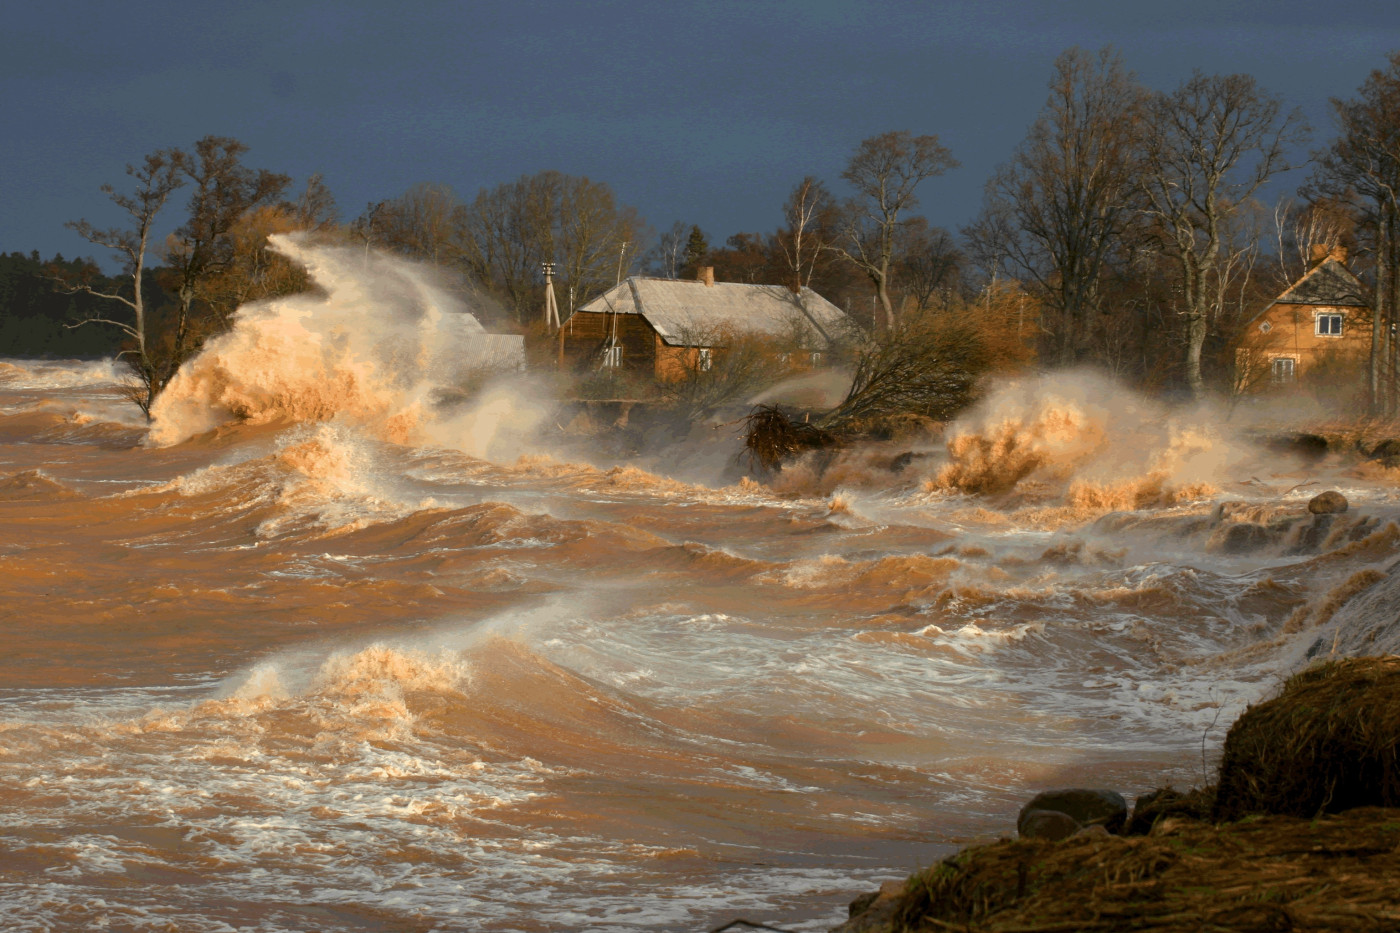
{"type": "Point", "coordinates": [882, 289]}
{"type": "Point", "coordinates": [1381, 304]}
{"type": "Point", "coordinates": [1195, 340]}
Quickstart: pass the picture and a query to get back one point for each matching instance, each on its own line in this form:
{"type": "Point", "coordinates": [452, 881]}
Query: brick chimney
{"type": "Point", "coordinates": [1338, 253]}
{"type": "Point", "coordinates": [706, 274]}
{"type": "Point", "coordinates": [1317, 253]}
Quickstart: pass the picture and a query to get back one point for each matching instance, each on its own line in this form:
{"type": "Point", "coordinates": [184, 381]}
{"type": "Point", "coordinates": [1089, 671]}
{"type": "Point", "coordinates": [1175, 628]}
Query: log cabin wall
{"type": "Point", "coordinates": [586, 333]}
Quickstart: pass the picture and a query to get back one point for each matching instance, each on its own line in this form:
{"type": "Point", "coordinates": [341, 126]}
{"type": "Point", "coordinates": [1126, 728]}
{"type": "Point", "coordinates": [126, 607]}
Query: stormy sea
{"type": "Point", "coordinates": [326, 646]}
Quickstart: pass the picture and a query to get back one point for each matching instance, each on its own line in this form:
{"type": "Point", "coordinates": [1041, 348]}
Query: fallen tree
{"type": "Point", "coordinates": [927, 366]}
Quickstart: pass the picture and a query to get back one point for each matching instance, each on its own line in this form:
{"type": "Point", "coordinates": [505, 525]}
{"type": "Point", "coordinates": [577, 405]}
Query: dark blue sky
{"type": "Point", "coordinates": [705, 112]}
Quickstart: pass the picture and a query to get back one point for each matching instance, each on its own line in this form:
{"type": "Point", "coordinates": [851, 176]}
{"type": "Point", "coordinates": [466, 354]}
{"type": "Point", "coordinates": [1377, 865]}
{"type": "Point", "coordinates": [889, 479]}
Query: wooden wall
{"type": "Point", "coordinates": [587, 332]}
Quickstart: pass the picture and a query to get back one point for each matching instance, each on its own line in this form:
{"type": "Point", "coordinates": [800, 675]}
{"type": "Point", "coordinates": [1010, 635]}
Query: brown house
{"type": "Point", "coordinates": [665, 328]}
{"type": "Point", "coordinates": [1316, 335]}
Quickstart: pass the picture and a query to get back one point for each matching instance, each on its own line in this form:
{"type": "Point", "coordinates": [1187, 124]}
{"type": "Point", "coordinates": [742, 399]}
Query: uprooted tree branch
{"type": "Point", "coordinates": [927, 365]}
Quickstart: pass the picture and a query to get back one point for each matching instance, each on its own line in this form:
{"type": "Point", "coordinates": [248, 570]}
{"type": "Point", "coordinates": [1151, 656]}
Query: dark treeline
{"type": "Point", "coordinates": [36, 318]}
{"type": "Point", "coordinates": [1126, 232]}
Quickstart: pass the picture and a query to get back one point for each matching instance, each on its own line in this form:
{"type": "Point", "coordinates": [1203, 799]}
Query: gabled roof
{"type": "Point", "coordinates": [1327, 283]}
{"type": "Point", "coordinates": [690, 313]}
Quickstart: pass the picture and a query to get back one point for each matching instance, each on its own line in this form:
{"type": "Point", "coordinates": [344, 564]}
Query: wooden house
{"type": "Point", "coordinates": [1316, 335]}
{"type": "Point", "coordinates": [665, 328]}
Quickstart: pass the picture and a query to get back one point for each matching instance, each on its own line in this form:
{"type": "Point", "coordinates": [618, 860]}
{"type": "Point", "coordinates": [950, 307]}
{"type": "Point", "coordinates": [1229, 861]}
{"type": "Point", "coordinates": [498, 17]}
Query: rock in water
{"type": "Point", "coordinates": [1169, 803]}
{"type": "Point", "coordinates": [1046, 824]}
{"type": "Point", "coordinates": [874, 912]}
{"type": "Point", "coordinates": [1243, 537]}
{"type": "Point", "coordinates": [1085, 806]}
{"type": "Point", "coordinates": [1387, 452]}
{"type": "Point", "coordinates": [1327, 503]}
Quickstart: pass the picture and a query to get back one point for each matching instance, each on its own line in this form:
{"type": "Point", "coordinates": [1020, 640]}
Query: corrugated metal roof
{"type": "Point", "coordinates": [690, 313]}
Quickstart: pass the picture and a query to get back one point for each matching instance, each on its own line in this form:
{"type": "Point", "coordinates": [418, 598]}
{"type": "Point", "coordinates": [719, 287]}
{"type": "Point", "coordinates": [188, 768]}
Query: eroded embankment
{"type": "Point", "coordinates": [1267, 873]}
{"type": "Point", "coordinates": [1301, 832]}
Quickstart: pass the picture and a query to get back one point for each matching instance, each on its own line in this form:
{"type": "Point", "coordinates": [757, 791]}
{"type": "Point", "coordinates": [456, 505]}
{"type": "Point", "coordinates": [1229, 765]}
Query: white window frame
{"type": "Point", "coordinates": [1285, 374]}
{"type": "Point", "coordinates": [814, 359]}
{"type": "Point", "coordinates": [1329, 316]}
{"type": "Point", "coordinates": [612, 356]}
{"type": "Point", "coordinates": [705, 359]}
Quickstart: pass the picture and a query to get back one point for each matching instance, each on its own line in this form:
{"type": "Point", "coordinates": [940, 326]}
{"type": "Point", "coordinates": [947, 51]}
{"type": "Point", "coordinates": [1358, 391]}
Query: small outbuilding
{"type": "Point", "coordinates": [1317, 334]}
{"type": "Point", "coordinates": [669, 327]}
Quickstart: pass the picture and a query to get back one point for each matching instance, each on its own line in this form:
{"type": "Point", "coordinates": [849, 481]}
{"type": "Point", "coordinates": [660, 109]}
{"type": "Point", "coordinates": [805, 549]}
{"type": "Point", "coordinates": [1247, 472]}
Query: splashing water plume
{"type": "Point", "coordinates": [373, 346]}
{"type": "Point", "coordinates": [1079, 436]}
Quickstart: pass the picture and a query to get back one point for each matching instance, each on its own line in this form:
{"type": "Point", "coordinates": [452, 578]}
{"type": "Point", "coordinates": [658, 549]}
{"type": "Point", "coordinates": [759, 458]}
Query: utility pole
{"type": "Point", "coordinates": [620, 255]}
{"type": "Point", "coordinates": [551, 308]}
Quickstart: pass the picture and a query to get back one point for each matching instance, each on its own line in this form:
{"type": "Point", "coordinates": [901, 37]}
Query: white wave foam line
{"type": "Point", "coordinates": [393, 829]}
{"type": "Point", "coordinates": [61, 374]}
{"type": "Point", "coordinates": [328, 476]}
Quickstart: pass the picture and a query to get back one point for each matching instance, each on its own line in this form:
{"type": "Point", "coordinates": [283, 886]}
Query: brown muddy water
{"type": "Point", "coordinates": [357, 663]}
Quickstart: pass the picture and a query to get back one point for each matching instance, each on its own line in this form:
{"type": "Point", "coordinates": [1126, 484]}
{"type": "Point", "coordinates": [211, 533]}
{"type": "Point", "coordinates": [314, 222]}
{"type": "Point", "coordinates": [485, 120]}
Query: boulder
{"type": "Point", "coordinates": [1046, 824]}
{"type": "Point", "coordinates": [901, 462]}
{"type": "Point", "coordinates": [1387, 452]}
{"type": "Point", "coordinates": [873, 912]}
{"type": "Point", "coordinates": [1307, 446]}
{"type": "Point", "coordinates": [1085, 806]}
{"type": "Point", "coordinates": [1330, 502]}
{"type": "Point", "coordinates": [1243, 537]}
{"type": "Point", "coordinates": [1166, 803]}
{"type": "Point", "coordinates": [1311, 537]}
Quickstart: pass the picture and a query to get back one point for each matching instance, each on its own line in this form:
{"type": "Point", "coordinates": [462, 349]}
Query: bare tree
{"type": "Point", "coordinates": [596, 241]}
{"type": "Point", "coordinates": [885, 171]}
{"type": "Point", "coordinates": [806, 236]}
{"type": "Point", "coordinates": [157, 177]}
{"type": "Point", "coordinates": [223, 191]}
{"type": "Point", "coordinates": [507, 231]}
{"type": "Point", "coordinates": [929, 264]}
{"type": "Point", "coordinates": [1362, 166]}
{"type": "Point", "coordinates": [422, 223]}
{"type": "Point", "coordinates": [1064, 203]}
{"type": "Point", "coordinates": [1210, 145]}
{"type": "Point", "coordinates": [670, 248]}
{"type": "Point", "coordinates": [1302, 234]}
{"type": "Point", "coordinates": [315, 208]}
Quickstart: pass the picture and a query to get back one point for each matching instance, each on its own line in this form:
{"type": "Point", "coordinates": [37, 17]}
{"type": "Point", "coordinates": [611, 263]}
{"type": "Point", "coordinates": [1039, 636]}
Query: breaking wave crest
{"type": "Point", "coordinates": [1082, 439]}
{"type": "Point", "coordinates": [375, 345]}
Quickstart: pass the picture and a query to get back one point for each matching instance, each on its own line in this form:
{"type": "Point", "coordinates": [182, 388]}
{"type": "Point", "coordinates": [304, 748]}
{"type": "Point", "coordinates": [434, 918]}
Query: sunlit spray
{"type": "Point", "coordinates": [375, 346]}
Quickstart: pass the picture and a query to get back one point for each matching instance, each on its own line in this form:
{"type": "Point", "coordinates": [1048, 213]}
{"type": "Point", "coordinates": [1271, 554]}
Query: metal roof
{"type": "Point", "coordinates": [692, 314]}
{"type": "Point", "coordinates": [1328, 283]}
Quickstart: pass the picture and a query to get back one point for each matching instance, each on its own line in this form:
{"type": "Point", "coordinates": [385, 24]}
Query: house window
{"type": "Point", "coordinates": [1265, 327]}
{"type": "Point", "coordinates": [1329, 325]}
{"type": "Point", "coordinates": [612, 356]}
{"type": "Point", "coordinates": [815, 359]}
{"type": "Point", "coordinates": [704, 360]}
{"type": "Point", "coordinates": [1285, 369]}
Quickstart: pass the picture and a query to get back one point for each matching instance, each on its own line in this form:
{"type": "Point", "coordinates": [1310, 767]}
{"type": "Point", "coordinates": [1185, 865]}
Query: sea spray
{"type": "Point", "coordinates": [1081, 436]}
{"type": "Point", "coordinates": [375, 346]}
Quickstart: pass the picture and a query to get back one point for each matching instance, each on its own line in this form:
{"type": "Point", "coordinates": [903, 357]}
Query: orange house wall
{"type": "Point", "coordinates": [1293, 333]}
